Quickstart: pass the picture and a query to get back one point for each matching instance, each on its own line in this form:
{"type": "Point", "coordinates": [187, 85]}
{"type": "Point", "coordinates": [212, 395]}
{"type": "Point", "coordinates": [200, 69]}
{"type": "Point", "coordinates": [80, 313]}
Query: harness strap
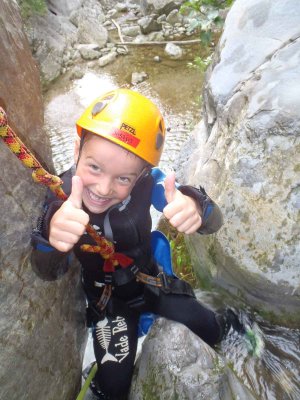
{"type": "Point", "coordinates": [168, 284]}
{"type": "Point", "coordinates": [123, 276]}
{"type": "Point", "coordinates": [149, 279]}
{"type": "Point", "coordinates": [105, 296]}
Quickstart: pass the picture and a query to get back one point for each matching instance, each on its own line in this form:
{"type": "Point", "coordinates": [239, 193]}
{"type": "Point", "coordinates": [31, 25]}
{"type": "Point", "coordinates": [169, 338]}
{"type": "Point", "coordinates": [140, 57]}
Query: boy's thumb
{"type": "Point", "coordinates": [76, 195]}
{"type": "Point", "coordinates": [170, 188]}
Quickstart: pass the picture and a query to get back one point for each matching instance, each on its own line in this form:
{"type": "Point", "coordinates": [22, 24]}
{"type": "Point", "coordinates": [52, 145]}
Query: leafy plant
{"type": "Point", "coordinates": [181, 260]}
{"type": "Point", "coordinates": [200, 63]}
{"type": "Point", "coordinates": [204, 15]}
{"type": "Point", "coordinates": [30, 7]}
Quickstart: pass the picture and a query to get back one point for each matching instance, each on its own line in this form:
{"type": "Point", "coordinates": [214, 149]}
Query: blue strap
{"type": "Point", "coordinates": [45, 249]}
{"type": "Point", "coordinates": [158, 198]}
{"type": "Point", "coordinates": [161, 251]}
{"type": "Point", "coordinates": [145, 323]}
{"type": "Point", "coordinates": [158, 193]}
{"type": "Point", "coordinates": [207, 211]}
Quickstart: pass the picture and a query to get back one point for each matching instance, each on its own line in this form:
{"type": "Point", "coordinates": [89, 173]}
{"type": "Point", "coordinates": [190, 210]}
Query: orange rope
{"type": "Point", "coordinates": [104, 247]}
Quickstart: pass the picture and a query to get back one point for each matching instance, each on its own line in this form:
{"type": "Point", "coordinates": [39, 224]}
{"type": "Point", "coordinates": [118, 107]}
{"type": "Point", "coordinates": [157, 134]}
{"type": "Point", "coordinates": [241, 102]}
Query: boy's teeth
{"type": "Point", "coordinates": [93, 196]}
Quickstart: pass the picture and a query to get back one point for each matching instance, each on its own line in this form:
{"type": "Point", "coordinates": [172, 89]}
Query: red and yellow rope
{"type": "Point", "coordinates": [104, 247]}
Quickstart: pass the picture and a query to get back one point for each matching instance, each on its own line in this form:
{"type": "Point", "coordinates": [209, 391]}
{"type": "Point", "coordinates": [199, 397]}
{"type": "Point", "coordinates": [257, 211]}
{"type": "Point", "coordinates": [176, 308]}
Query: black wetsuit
{"type": "Point", "coordinates": [128, 225]}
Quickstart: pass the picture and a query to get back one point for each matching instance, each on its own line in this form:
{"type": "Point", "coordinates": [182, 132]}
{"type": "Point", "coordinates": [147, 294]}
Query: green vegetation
{"type": "Point", "coordinates": [31, 7]}
{"type": "Point", "coordinates": [285, 318]}
{"type": "Point", "coordinates": [181, 259]}
{"type": "Point", "coordinates": [151, 387]}
{"type": "Point", "coordinates": [205, 17]}
{"type": "Point", "coordinates": [200, 63]}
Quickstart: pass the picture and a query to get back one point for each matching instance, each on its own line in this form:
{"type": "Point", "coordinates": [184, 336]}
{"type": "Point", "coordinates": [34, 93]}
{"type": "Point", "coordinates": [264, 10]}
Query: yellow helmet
{"type": "Point", "coordinates": [128, 119]}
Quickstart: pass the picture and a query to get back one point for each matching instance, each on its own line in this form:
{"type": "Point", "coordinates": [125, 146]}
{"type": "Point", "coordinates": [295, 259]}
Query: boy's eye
{"type": "Point", "coordinates": [94, 167]}
{"type": "Point", "coordinates": [124, 180]}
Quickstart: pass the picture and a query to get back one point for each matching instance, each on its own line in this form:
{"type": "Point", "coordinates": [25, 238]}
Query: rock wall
{"type": "Point", "coordinates": [41, 323]}
{"type": "Point", "coordinates": [177, 364]}
{"type": "Point", "coordinates": [247, 157]}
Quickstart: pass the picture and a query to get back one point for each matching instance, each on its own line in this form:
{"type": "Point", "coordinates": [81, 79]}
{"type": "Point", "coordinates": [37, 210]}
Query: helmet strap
{"type": "Point", "coordinates": [83, 136]}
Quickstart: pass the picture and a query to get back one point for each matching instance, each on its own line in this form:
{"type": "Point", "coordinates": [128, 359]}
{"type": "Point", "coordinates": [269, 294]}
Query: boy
{"type": "Point", "coordinates": [121, 136]}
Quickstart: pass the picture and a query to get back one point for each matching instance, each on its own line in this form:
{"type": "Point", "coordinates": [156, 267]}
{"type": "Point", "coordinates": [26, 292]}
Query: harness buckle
{"type": "Point", "coordinates": [134, 269]}
{"type": "Point", "coordinates": [108, 279]}
{"type": "Point", "coordinates": [165, 286]}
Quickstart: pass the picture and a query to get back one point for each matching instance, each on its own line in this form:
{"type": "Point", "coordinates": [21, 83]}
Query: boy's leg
{"type": "Point", "coordinates": [187, 310]}
{"type": "Point", "coordinates": [115, 344]}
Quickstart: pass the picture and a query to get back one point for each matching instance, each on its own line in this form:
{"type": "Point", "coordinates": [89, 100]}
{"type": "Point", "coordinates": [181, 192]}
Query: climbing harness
{"type": "Point", "coordinates": [103, 247]}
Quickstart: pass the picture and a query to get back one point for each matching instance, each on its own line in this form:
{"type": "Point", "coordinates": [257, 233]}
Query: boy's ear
{"type": "Point", "coordinates": [76, 149]}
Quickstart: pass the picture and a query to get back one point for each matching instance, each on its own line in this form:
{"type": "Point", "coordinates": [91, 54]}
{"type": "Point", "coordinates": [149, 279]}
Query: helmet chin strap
{"type": "Point", "coordinates": [145, 172]}
{"type": "Point", "coordinates": [83, 136]}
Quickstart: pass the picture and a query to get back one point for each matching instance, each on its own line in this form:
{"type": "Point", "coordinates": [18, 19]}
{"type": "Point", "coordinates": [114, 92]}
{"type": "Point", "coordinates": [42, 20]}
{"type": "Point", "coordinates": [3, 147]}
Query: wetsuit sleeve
{"type": "Point", "coordinates": [47, 262]}
{"type": "Point", "coordinates": [211, 215]}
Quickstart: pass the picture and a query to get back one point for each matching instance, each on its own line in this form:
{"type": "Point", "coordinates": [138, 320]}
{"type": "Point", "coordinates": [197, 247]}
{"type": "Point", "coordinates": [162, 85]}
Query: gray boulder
{"type": "Point", "coordinates": [107, 58]}
{"type": "Point", "coordinates": [176, 364]}
{"type": "Point", "coordinates": [149, 24]}
{"type": "Point", "coordinates": [132, 31]}
{"type": "Point", "coordinates": [89, 51]}
{"type": "Point", "coordinates": [87, 35]}
{"type": "Point", "coordinates": [65, 8]}
{"type": "Point", "coordinates": [173, 51]}
{"type": "Point", "coordinates": [42, 329]}
{"type": "Point", "coordinates": [91, 10]}
{"type": "Point", "coordinates": [159, 6]}
{"type": "Point", "coordinates": [174, 17]}
{"type": "Point", "coordinates": [51, 37]}
{"type": "Point", "coordinates": [247, 157]}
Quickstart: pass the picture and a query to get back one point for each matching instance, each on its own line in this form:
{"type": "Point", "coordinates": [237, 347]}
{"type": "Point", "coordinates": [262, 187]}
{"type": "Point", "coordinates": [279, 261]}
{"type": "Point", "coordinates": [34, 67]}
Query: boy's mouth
{"type": "Point", "coordinates": [98, 199]}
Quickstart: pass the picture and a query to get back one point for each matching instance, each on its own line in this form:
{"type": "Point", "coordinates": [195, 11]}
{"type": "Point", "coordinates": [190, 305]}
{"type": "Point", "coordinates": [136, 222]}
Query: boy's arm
{"type": "Point", "coordinates": [212, 218]}
{"type": "Point", "coordinates": [47, 262]}
{"type": "Point", "coordinates": [210, 213]}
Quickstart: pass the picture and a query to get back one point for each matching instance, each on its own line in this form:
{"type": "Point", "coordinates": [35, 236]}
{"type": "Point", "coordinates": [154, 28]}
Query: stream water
{"type": "Point", "coordinates": [273, 372]}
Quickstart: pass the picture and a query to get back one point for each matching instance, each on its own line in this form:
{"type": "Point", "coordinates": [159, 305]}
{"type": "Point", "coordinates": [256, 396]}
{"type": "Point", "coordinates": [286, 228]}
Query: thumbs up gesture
{"type": "Point", "coordinates": [69, 221]}
{"type": "Point", "coordinates": [181, 211]}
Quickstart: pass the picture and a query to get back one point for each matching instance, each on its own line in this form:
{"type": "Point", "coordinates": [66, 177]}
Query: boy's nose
{"type": "Point", "coordinates": [104, 187]}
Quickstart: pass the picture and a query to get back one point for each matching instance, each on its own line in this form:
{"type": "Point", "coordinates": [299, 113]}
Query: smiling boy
{"type": "Point", "coordinates": [120, 140]}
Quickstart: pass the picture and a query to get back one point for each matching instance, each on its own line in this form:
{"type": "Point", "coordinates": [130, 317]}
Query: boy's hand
{"type": "Point", "coordinates": [69, 222]}
{"type": "Point", "coordinates": [181, 211]}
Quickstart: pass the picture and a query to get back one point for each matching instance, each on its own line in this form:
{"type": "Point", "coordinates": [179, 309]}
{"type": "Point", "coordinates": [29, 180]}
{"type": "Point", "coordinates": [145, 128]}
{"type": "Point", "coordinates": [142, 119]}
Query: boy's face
{"type": "Point", "coordinates": [107, 171]}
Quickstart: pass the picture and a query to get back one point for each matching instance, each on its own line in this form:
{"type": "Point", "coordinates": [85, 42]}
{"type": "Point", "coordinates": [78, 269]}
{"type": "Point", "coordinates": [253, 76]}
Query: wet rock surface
{"type": "Point", "coordinates": [247, 156]}
{"type": "Point", "coordinates": [176, 364]}
{"type": "Point", "coordinates": [32, 310]}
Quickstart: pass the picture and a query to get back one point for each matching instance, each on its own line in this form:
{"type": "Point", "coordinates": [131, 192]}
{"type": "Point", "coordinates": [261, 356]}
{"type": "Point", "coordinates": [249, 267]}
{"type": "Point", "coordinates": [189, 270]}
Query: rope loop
{"type": "Point", "coordinates": [104, 247]}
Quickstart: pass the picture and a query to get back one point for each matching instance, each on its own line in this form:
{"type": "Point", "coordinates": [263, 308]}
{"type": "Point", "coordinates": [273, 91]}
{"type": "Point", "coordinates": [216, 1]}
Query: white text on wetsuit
{"type": "Point", "coordinates": [122, 345]}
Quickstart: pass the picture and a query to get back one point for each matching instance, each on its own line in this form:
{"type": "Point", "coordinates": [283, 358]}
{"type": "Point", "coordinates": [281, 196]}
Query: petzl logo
{"type": "Point", "coordinates": [127, 128]}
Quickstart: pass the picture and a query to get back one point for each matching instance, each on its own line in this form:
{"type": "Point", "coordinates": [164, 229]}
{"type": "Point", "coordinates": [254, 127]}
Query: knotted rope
{"type": "Point", "coordinates": [104, 247]}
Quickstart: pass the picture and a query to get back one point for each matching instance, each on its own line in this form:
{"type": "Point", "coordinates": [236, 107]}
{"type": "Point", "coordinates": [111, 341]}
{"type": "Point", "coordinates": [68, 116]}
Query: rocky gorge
{"type": "Point", "coordinates": [244, 152]}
